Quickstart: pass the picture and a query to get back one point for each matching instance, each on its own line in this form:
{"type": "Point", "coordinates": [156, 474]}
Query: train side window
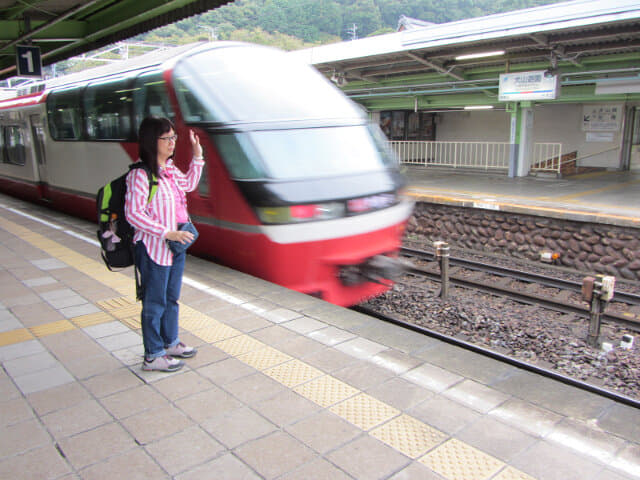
{"type": "Point", "coordinates": [150, 97]}
{"type": "Point", "coordinates": [189, 92]}
{"type": "Point", "coordinates": [203, 186]}
{"type": "Point", "coordinates": [239, 156]}
{"type": "Point", "coordinates": [14, 143]}
{"type": "Point", "coordinates": [63, 114]}
{"type": "Point", "coordinates": [3, 153]}
{"type": "Point", "coordinates": [635, 140]}
{"type": "Point", "coordinates": [107, 108]}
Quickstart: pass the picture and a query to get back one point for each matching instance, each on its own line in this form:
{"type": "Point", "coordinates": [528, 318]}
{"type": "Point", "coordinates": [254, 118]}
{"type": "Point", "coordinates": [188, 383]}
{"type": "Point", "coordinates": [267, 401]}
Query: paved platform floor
{"type": "Point", "coordinates": [284, 386]}
{"type": "Point", "coordinates": [601, 197]}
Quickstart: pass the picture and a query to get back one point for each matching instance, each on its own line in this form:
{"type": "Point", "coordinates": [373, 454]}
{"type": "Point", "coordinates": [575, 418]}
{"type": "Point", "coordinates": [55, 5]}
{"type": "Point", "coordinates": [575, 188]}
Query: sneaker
{"type": "Point", "coordinates": [162, 364]}
{"type": "Point", "coordinates": [181, 350]}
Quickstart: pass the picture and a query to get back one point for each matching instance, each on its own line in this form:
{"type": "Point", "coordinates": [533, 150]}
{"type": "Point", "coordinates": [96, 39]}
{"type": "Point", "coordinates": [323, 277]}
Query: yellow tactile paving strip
{"type": "Point", "coordinates": [456, 460]}
{"type": "Point", "coordinates": [326, 391]}
{"type": "Point", "coordinates": [293, 373]}
{"type": "Point", "coordinates": [91, 319]}
{"type": "Point", "coordinates": [264, 358]}
{"type": "Point", "coordinates": [216, 333]}
{"type": "Point", "coordinates": [511, 473]}
{"type": "Point", "coordinates": [412, 437]}
{"type": "Point", "coordinates": [15, 336]}
{"type": "Point", "coordinates": [240, 344]}
{"type": "Point", "coordinates": [364, 411]}
{"type": "Point", "coordinates": [451, 458]}
{"type": "Point", "coordinates": [121, 308]}
{"type": "Point", "coordinates": [52, 328]}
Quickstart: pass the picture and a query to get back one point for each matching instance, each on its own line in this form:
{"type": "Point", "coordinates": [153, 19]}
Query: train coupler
{"type": "Point", "coordinates": [380, 269]}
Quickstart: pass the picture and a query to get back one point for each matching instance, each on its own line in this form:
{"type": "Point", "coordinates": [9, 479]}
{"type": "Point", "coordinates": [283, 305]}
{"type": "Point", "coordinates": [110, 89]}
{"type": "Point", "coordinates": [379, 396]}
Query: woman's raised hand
{"type": "Point", "coordinates": [195, 144]}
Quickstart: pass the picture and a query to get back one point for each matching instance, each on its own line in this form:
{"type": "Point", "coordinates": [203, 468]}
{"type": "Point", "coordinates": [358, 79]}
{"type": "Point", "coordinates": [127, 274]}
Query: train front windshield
{"type": "Point", "coordinates": [302, 153]}
{"type": "Point", "coordinates": [317, 131]}
{"type": "Point", "coordinates": [248, 84]}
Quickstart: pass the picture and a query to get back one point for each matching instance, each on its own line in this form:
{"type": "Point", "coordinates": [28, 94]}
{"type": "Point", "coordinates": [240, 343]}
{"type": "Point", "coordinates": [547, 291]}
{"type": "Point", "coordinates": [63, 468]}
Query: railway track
{"type": "Point", "coordinates": [553, 293]}
{"type": "Point", "coordinates": [618, 397]}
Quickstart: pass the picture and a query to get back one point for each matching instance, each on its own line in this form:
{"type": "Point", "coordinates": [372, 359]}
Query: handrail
{"type": "Point", "coordinates": [492, 156]}
{"type": "Point", "coordinates": [547, 157]}
{"type": "Point", "coordinates": [593, 154]}
{"type": "Point", "coordinates": [474, 155]}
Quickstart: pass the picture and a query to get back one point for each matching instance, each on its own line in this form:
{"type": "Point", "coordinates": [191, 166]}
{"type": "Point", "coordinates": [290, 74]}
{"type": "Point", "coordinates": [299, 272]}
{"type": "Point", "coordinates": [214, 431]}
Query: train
{"type": "Point", "coordinates": [299, 187]}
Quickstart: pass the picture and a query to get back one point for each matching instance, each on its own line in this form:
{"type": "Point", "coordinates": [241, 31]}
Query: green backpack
{"type": "Point", "coordinates": [115, 234]}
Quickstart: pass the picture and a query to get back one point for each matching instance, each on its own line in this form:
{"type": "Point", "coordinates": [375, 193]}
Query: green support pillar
{"type": "Point", "coordinates": [520, 138]}
{"type": "Point", "coordinates": [525, 139]}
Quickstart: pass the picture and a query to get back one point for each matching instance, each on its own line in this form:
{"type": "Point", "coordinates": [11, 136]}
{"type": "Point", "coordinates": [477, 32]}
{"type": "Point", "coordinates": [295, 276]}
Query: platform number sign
{"type": "Point", "coordinates": [28, 61]}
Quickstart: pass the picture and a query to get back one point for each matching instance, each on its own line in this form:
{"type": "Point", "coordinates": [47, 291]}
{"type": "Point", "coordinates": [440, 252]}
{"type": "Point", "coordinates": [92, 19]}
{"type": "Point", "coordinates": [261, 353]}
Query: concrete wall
{"type": "Point", "coordinates": [468, 126]}
{"type": "Point", "coordinates": [560, 123]}
{"type": "Point", "coordinates": [563, 123]}
{"type": "Point", "coordinates": [588, 248]}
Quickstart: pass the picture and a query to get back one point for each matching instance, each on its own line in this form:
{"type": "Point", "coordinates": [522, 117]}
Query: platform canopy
{"type": "Point", "coordinates": [582, 41]}
{"type": "Point", "coordinates": [65, 28]}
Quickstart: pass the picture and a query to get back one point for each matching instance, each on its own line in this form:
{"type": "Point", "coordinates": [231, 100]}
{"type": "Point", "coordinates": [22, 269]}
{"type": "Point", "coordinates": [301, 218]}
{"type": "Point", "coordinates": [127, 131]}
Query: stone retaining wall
{"type": "Point", "coordinates": [587, 247]}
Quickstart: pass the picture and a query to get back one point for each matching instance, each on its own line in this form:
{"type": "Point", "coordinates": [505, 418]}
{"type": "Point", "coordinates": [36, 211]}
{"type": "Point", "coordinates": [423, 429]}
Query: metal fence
{"type": "Point", "coordinates": [474, 155]}
{"type": "Point", "coordinates": [547, 157]}
{"type": "Point", "coordinates": [479, 155]}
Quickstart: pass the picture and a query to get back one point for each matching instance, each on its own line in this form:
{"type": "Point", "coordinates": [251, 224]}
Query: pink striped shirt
{"type": "Point", "coordinates": [182, 216]}
{"type": "Point", "coordinates": [153, 222]}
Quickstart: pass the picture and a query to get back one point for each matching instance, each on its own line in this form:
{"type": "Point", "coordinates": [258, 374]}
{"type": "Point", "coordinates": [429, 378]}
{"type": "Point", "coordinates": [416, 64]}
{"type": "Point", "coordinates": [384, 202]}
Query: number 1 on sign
{"type": "Point", "coordinates": [28, 56]}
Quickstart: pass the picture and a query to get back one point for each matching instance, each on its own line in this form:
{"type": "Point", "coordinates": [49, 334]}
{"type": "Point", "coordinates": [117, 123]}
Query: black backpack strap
{"type": "Point", "coordinates": [153, 180]}
{"type": "Point", "coordinates": [139, 290]}
{"type": "Point", "coordinates": [153, 187]}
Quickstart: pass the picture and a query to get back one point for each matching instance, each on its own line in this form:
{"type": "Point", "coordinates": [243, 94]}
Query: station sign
{"type": "Point", "coordinates": [28, 61]}
{"type": "Point", "coordinates": [602, 117]}
{"type": "Point", "coordinates": [534, 85]}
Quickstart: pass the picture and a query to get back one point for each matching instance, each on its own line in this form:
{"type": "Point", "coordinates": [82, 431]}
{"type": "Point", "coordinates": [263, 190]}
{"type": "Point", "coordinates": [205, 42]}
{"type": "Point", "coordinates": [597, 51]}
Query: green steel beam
{"type": "Point", "coordinates": [401, 93]}
{"type": "Point", "coordinates": [129, 12]}
{"type": "Point", "coordinates": [568, 94]}
{"type": "Point", "coordinates": [87, 26]}
{"type": "Point", "coordinates": [10, 29]}
{"type": "Point", "coordinates": [18, 10]}
{"type": "Point", "coordinates": [121, 16]}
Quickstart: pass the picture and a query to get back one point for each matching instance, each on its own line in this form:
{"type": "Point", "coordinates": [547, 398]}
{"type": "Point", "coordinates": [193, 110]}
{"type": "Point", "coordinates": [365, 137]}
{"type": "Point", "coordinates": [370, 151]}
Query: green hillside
{"type": "Point", "coordinates": [294, 24]}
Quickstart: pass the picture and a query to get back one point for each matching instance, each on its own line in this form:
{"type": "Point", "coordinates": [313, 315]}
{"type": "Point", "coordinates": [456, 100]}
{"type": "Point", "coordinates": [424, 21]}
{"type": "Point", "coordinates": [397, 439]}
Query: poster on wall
{"type": "Point", "coordinates": [601, 137]}
{"type": "Point", "coordinates": [602, 117]}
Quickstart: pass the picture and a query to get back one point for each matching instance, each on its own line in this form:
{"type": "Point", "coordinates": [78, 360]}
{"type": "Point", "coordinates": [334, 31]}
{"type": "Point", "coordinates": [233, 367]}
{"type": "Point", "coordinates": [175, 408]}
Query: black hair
{"type": "Point", "coordinates": [152, 128]}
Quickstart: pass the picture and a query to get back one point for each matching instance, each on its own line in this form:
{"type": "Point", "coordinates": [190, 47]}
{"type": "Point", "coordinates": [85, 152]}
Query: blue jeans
{"type": "Point", "coordinates": [160, 293]}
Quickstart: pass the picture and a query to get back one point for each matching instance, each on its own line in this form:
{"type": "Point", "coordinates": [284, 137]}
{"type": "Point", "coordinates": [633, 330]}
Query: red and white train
{"type": "Point", "coordinates": [298, 188]}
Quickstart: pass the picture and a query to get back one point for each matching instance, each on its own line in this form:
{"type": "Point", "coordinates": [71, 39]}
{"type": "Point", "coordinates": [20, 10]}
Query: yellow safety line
{"type": "Point", "coordinates": [402, 432]}
{"type": "Point", "coordinates": [598, 190]}
{"type": "Point", "coordinates": [558, 211]}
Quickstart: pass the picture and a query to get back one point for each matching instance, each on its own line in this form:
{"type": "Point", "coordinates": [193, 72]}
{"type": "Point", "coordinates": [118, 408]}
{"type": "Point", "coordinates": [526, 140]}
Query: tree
{"type": "Point", "coordinates": [305, 19]}
{"type": "Point", "coordinates": [319, 21]}
{"type": "Point", "coordinates": [365, 14]}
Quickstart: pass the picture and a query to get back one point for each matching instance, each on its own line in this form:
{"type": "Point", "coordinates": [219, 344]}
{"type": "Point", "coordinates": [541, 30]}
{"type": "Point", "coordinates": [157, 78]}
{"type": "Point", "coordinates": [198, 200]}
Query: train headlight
{"type": "Point", "coordinates": [301, 213]}
{"type": "Point", "coordinates": [373, 202]}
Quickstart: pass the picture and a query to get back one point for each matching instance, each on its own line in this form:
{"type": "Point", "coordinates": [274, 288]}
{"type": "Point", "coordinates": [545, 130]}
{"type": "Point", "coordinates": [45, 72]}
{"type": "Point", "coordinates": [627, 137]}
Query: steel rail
{"type": "Point", "coordinates": [623, 297]}
{"type": "Point", "coordinates": [503, 358]}
{"type": "Point", "coordinates": [530, 298]}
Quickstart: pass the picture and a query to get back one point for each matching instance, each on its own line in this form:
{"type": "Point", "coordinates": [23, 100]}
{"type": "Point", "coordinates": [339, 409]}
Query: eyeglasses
{"type": "Point", "coordinates": [172, 138]}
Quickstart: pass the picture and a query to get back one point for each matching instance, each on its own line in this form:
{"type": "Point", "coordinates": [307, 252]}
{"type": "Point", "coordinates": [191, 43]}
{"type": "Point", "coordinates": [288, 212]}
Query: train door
{"type": "Point", "coordinates": [37, 136]}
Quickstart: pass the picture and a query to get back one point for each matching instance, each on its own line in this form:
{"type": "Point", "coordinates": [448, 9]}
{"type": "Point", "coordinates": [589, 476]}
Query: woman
{"type": "Point", "coordinates": [155, 223]}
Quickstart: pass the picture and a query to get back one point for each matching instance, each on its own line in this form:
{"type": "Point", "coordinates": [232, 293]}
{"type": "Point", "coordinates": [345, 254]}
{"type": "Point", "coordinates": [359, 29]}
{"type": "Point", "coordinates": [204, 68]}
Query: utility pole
{"type": "Point", "coordinates": [213, 32]}
{"type": "Point", "coordinates": [353, 31]}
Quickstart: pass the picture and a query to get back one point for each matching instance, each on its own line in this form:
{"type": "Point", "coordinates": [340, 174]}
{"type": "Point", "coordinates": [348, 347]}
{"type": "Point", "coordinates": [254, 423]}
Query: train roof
{"type": "Point", "coordinates": [151, 59]}
{"type": "Point", "coordinates": [148, 60]}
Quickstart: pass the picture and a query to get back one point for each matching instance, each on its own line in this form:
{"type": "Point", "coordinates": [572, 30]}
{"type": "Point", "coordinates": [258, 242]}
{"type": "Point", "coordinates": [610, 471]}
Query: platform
{"type": "Point", "coordinates": [600, 197]}
{"type": "Point", "coordinates": [284, 386]}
